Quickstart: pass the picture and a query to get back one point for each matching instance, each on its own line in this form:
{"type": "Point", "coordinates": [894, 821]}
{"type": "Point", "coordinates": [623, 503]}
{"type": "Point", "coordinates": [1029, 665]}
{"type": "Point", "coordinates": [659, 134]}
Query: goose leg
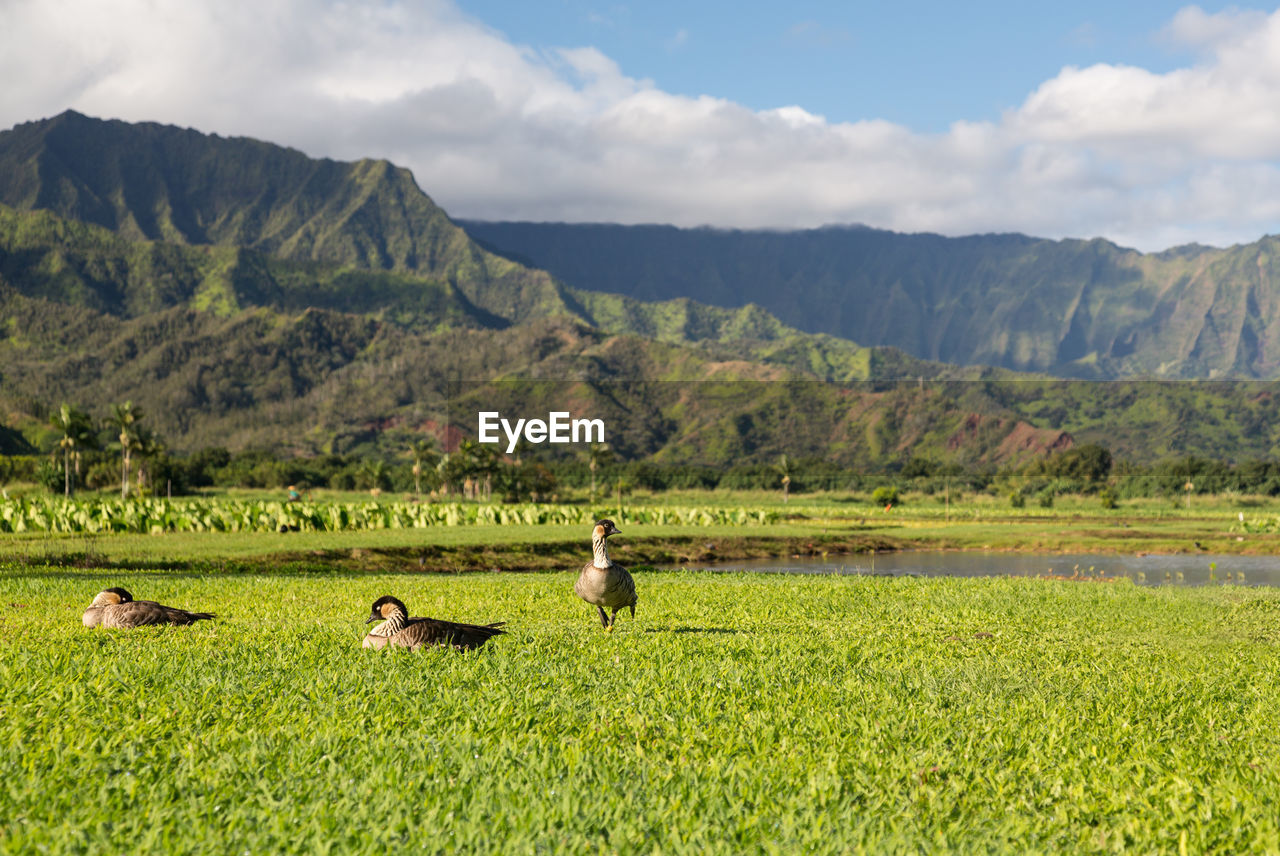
{"type": "Point", "coordinates": [613, 618]}
{"type": "Point", "coordinates": [604, 619]}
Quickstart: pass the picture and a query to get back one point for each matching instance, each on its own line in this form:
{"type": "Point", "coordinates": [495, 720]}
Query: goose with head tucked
{"type": "Point", "coordinates": [108, 597]}
{"type": "Point", "coordinates": [602, 581]}
{"type": "Point", "coordinates": [398, 630]}
{"type": "Point", "coordinates": [116, 608]}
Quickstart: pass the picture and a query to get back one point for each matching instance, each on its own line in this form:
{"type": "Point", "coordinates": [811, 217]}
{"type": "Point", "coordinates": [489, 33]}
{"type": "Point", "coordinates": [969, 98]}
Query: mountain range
{"type": "Point", "coordinates": [1083, 309]}
{"type": "Point", "coordinates": [247, 295]}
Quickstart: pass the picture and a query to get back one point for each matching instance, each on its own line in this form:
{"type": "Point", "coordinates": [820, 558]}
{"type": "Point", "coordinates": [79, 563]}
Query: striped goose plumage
{"type": "Point", "coordinates": [602, 581]}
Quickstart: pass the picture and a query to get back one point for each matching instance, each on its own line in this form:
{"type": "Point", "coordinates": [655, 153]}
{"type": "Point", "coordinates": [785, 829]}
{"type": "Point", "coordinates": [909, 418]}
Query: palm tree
{"type": "Point", "coordinates": [444, 471]}
{"type": "Point", "coordinates": [623, 487]}
{"type": "Point", "coordinates": [487, 466]}
{"type": "Point", "coordinates": [783, 468]}
{"type": "Point", "coordinates": [373, 473]}
{"type": "Point", "coordinates": [77, 433]}
{"type": "Point", "coordinates": [147, 446]}
{"type": "Point", "coordinates": [124, 418]}
{"type": "Point", "coordinates": [463, 467]}
{"type": "Point", "coordinates": [424, 455]}
{"type": "Point", "coordinates": [477, 463]}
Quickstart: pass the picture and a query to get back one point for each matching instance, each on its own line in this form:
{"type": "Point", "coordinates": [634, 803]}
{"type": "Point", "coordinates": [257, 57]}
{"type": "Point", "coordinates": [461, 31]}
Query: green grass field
{"type": "Point", "coordinates": [737, 713]}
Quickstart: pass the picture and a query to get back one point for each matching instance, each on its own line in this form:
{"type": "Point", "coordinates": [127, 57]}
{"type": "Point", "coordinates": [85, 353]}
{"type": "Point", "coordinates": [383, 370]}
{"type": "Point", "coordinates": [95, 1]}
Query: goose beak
{"type": "Point", "coordinates": [373, 618]}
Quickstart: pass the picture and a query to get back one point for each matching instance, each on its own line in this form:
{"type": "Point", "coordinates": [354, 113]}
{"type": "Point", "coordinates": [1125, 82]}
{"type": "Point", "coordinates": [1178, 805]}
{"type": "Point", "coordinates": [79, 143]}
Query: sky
{"type": "Point", "coordinates": [1150, 124]}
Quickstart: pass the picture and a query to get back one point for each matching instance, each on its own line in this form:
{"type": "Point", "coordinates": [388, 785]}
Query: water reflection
{"type": "Point", "coordinates": [1183, 569]}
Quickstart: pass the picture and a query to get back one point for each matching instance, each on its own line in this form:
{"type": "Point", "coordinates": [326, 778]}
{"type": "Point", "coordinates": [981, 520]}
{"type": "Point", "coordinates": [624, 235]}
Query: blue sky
{"type": "Point", "coordinates": [1149, 124]}
{"type": "Point", "coordinates": [921, 64]}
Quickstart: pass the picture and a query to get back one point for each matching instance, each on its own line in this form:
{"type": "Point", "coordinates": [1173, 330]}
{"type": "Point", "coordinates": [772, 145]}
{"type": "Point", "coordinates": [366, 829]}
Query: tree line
{"type": "Point", "coordinates": [120, 449]}
{"type": "Point", "coordinates": [79, 435]}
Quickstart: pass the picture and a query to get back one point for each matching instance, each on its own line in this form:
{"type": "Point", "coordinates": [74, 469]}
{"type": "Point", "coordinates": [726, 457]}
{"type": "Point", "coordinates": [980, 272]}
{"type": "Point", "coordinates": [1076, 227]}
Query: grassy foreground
{"type": "Point", "coordinates": [736, 713]}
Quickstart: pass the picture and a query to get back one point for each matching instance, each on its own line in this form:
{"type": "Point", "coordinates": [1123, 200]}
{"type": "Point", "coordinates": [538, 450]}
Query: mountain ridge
{"type": "Point", "coordinates": [162, 183]}
{"type": "Point", "coordinates": [45, 256]}
{"type": "Point", "coordinates": [1073, 308]}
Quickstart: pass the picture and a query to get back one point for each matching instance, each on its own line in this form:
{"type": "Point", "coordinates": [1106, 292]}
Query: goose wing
{"type": "Point", "coordinates": [137, 613]}
{"type": "Point", "coordinates": [433, 631]}
{"type": "Point", "coordinates": [146, 613]}
{"type": "Point", "coordinates": [620, 587]}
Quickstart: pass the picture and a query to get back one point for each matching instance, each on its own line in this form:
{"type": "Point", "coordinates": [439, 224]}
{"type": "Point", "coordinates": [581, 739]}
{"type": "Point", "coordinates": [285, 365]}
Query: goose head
{"type": "Point", "coordinates": [385, 607]}
{"type": "Point", "coordinates": [111, 596]}
{"type": "Point", "coordinates": [605, 528]}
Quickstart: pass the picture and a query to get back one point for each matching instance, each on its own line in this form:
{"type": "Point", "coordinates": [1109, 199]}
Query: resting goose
{"type": "Point", "coordinates": [604, 582]}
{"type": "Point", "coordinates": [398, 630]}
{"type": "Point", "coordinates": [115, 607]}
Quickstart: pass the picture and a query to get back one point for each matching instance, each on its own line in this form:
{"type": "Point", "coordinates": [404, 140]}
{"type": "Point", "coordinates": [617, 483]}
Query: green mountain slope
{"type": "Point", "coordinates": [1070, 308]}
{"type": "Point", "coordinates": [45, 256]}
{"type": "Point", "coordinates": [189, 219]}
{"type": "Point", "coordinates": [228, 346]}
{"type": "Point", "coordinates": [319, 380]}
{"type": "Point", "coordinates": [1073, 308]}
{"type": "Point", "coordinates": [179, 186]}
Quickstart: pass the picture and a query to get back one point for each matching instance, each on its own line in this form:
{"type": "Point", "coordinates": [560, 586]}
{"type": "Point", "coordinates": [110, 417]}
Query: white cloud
{"type": "Point", "coordinates": [497, 130]}
{"type": "Point", "coordinates": [1194, 27]}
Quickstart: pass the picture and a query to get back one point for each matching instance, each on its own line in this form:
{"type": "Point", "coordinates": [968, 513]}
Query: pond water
{"type": "Point", "coordinates": [1185, 569]}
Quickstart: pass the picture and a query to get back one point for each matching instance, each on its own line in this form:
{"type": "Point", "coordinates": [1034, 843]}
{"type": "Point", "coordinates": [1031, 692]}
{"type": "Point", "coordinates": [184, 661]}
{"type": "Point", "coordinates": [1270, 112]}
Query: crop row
{"type": "Point", "coordinates": [164, 515]}
{"type": "Point", "coordinates": [1256, 525]}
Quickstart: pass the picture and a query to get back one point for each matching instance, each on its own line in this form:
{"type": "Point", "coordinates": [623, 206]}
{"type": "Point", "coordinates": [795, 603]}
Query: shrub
{"type": "Point", "coordinates": [50, 476]}
{"type": "Point", "coordinates": [885, 495]}
{"type": "Point", "coordinates": [1016, 499]}
{"type": "Point", "coordinates": [1107, 496]}
{"type": "Point", "coordinates": [102, 475]}
{"type": "Point", "coordinates": [168, 476]}
{"type": "Point", "coordinates": [203, 464]}
{"type": "Point", "coordinates": [1046, 498]}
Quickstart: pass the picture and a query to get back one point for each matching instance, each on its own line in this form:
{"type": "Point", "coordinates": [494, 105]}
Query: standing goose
{"type": "Point", "coordinates": [400, 631]}
{"type": "Point", "coordinates": [115, 607]}
{"type": "Point", "coordinates": [603, 581]}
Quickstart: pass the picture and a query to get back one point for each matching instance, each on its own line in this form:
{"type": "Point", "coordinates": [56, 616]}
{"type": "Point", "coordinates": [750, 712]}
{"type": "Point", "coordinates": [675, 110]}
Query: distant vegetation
{"type": "Point", "coordinates": [478, 473]}
{"type": "Point", "coordinates": [284, 390]}
{"type": "Point", "coordinates": [163, 515]}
